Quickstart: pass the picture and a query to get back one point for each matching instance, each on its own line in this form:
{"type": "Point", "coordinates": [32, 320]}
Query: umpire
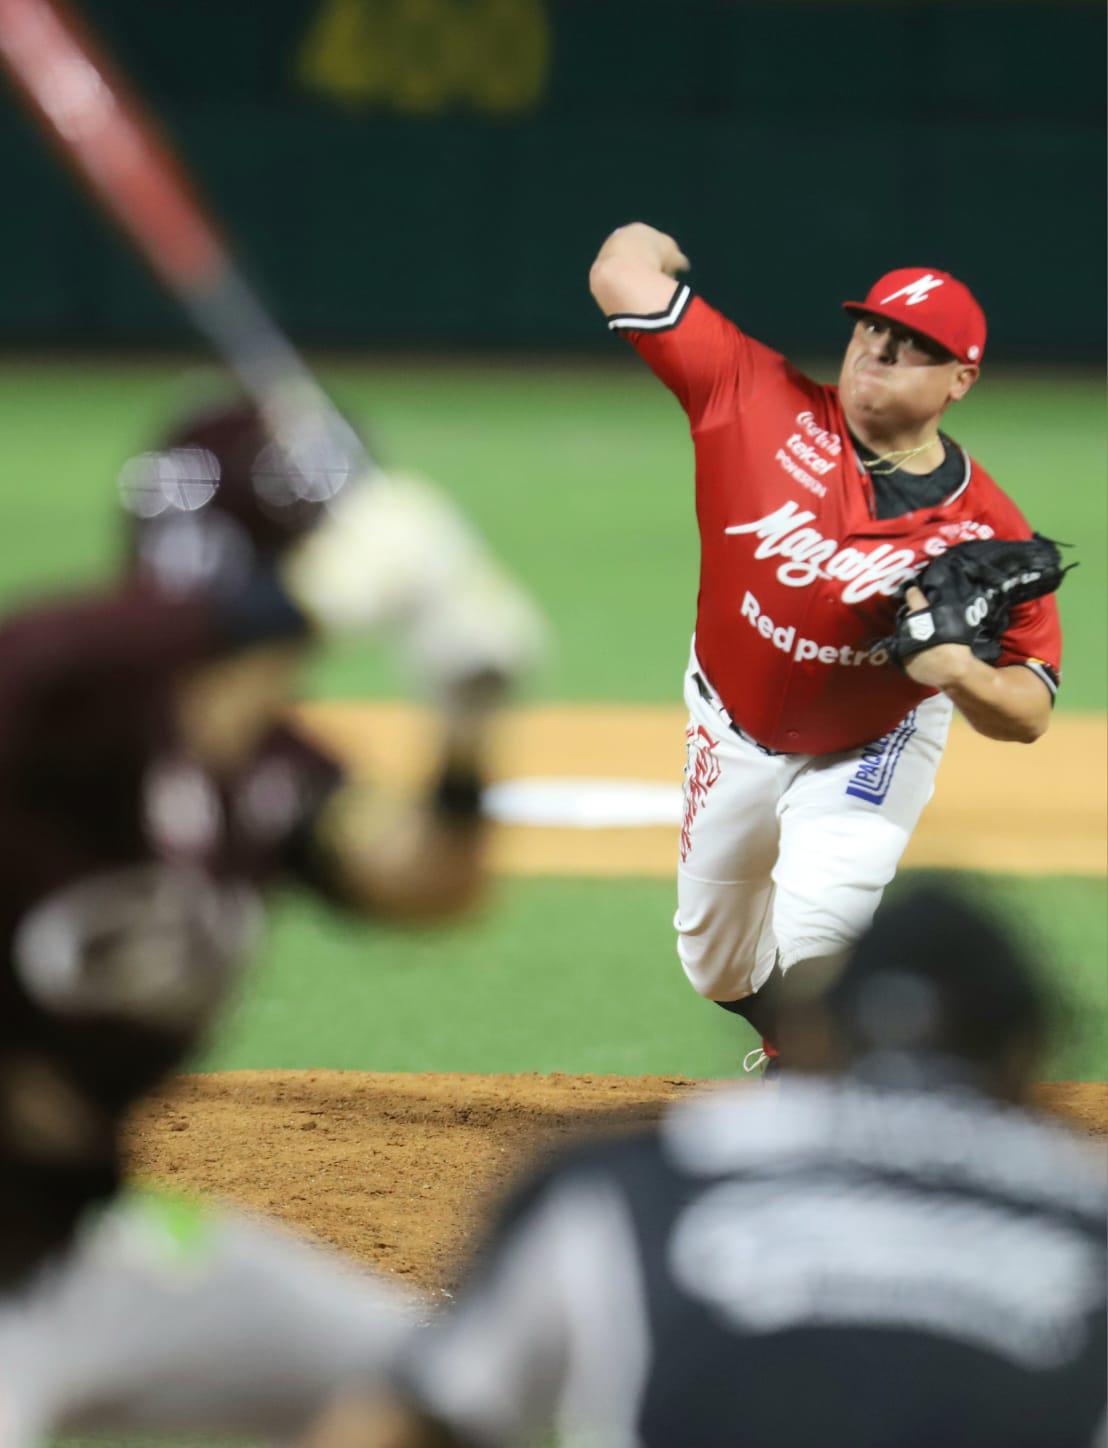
{"type": "Point", "coordinates": [887, 1248]}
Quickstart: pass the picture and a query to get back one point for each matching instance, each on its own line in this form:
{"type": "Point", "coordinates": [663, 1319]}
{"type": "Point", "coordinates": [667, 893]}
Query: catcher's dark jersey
{"type": "Point", "coordinates": [128, 867]}
{"type": "Point", "coordinates": [823, 1267]}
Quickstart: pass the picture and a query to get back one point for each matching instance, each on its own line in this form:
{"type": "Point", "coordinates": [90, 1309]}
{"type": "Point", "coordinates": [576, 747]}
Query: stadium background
{"type": "Point", "coordinates": [418, 186]}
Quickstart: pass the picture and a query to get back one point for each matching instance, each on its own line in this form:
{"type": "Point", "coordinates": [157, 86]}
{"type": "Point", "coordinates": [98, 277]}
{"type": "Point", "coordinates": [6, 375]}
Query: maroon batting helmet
{"type": "Point", "coordinates": [222, 493]}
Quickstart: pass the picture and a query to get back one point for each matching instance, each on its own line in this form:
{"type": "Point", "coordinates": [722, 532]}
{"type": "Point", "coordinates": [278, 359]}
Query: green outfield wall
{"type": "Point", "coordinates": [439, 172]}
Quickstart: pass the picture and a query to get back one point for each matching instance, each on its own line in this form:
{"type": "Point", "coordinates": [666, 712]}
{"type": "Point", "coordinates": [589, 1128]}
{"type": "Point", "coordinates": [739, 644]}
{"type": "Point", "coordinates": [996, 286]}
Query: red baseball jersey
{"type": "Point", "coordinates": [798, 576]}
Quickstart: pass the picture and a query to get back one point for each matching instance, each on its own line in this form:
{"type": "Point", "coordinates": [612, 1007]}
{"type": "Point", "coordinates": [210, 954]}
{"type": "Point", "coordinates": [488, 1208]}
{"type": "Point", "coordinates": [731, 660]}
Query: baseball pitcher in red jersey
{"type": "Point", "coordinates": [810, 756]}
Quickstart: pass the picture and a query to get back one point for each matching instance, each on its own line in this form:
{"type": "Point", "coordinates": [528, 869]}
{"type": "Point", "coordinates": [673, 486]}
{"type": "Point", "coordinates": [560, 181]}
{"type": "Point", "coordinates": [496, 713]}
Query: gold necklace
{"type": "Point", "coordinates": [896, 458]}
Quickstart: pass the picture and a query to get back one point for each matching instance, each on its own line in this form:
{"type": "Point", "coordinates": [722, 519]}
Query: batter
{"type": "Point", "coordinates": [152, 796]}
{"type": "Point", "coordinates": [810, 757]}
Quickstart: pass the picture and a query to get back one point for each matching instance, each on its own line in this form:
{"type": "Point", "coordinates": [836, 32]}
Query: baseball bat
{"type": "Point", "coordinates": [107, 136]}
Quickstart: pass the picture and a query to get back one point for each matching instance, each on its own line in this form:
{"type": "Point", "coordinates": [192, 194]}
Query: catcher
{"type": "Point", "coordinates": [890, 1249]}
{"type": "Point", "coordinates": [811, 753]}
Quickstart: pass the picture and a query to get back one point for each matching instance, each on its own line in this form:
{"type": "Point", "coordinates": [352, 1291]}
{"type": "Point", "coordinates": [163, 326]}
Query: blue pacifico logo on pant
{"type": "Point", "coordinates": [877, 765]}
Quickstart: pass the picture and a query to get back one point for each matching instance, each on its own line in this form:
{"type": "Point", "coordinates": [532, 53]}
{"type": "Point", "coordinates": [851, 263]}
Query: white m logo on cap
{"type": "Point", "coordinates": [916, 292]}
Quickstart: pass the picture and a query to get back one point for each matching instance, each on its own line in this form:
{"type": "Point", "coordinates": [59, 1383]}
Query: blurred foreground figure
{"type": "Point", "coordinates": [888, 1248]}
{"type": "Point", "coordinates": [151, 791]}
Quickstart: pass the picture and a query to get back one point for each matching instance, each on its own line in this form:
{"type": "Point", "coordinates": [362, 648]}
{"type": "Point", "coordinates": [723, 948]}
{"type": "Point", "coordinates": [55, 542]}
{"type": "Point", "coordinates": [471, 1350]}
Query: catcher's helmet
{"type": "Point", "coordinates": [223, 493]}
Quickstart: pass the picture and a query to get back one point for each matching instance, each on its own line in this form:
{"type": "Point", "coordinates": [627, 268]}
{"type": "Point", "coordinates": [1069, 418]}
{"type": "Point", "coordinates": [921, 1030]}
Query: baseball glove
{"type": "Point", "coordinates": [971, 590]}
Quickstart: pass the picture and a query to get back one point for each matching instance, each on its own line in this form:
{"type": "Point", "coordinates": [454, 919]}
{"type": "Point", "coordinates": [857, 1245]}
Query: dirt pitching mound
{"type": "Point", "coordinates": [399, 1170]}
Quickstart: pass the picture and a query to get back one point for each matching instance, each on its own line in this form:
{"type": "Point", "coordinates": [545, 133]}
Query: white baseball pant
{"type": "Point", "coordinates": [785, 856]}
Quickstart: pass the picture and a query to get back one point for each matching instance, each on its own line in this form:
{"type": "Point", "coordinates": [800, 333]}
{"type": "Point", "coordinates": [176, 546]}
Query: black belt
{"type": "Point", "coordinates": [709, 696]}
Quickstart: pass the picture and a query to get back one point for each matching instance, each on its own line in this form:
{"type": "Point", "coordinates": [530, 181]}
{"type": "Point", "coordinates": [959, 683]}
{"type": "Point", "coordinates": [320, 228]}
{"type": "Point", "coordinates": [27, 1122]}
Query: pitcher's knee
{"type": "Point", "coordinates": [715, 971]}
{"type": "Point", "coordinates": [708, 985]}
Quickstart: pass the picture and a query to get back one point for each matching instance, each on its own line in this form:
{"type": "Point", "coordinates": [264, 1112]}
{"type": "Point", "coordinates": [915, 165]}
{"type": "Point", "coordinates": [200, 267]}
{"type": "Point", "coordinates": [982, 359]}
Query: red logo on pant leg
{"type": "Point", "coordinates": [701, 772]}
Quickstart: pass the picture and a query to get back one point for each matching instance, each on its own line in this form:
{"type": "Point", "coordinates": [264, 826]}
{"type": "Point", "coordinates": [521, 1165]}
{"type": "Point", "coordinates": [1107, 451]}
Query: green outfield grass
{"type": "Point", "coordinates": [575, 976]}
{"type": "Point", "coordinates": [581, 476]}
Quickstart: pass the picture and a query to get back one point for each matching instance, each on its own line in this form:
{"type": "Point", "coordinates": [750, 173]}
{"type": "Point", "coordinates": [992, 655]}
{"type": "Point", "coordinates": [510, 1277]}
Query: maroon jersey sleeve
{"type": "Point", "coordinates": [95, 649]}
{"type": "Point", "coordinates": [70, 666]}
{"type": "Point", "coordinates": [134, 629]}
{"type": "Point", "coordinates": [712, 368]}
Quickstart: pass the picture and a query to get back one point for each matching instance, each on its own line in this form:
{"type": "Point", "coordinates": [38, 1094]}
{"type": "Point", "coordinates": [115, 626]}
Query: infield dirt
{"type": "Point", "coordinates": [400, 1170]}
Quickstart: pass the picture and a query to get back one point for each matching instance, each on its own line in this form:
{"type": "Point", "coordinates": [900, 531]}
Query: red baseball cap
{"type": "Point", "coordinates": [932, 303]}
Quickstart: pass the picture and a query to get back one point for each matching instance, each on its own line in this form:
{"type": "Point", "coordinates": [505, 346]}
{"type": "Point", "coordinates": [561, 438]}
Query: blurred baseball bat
{"type": "Point", "coordinates": [107, 136]}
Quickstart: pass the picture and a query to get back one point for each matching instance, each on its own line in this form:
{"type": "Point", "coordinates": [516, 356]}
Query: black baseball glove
{"type": "Point", "coordinates": [971, 590]}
